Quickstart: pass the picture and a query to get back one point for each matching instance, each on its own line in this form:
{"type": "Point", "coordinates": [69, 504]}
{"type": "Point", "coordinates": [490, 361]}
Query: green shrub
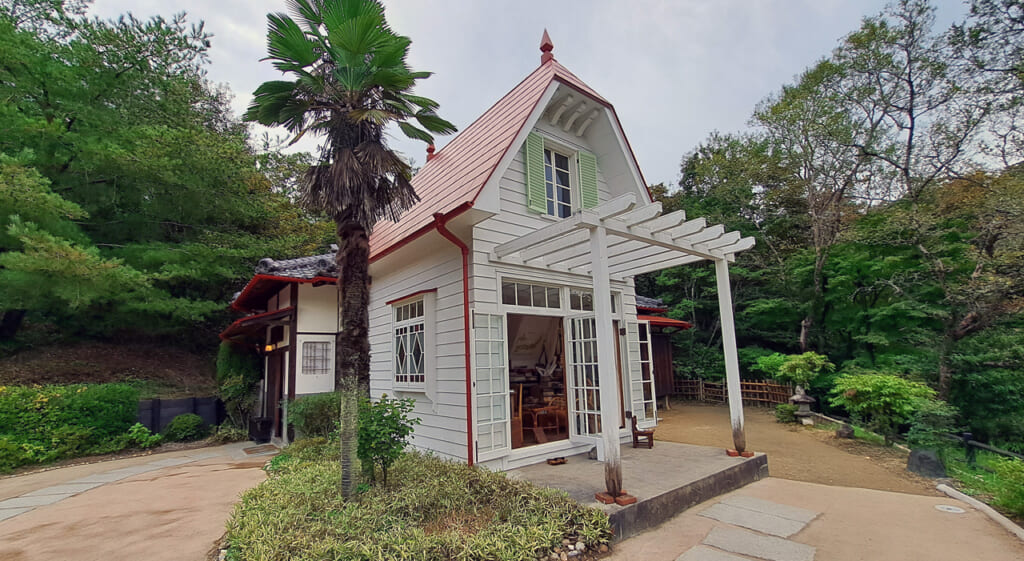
{"type": "Point", "coordinates": [45, 423]}
{"type": "Point", "coordinates": [384, 429]}
{"type": "Point", "coordinates": [802, 369]}
{"type": "Point", "coordinates": [785, 413]}
{"type": "Point", "coordinates": [769, 364]}
{"type": "Point", "coordinates": [432, 510]}
{"type": "Point", "coordinates": [880, 401]}
{"type": "Point", "coordinates": [239, 372]}
{"type": "Point", "coordinates": [138, 436]}
{"type": "Point", "coordinates": [226, 432]}
{"type": "Point", "coordinates": [185, 427]}
{"type": "Point", "coordinates": [316, 414]}
{"type": "Point", "coordinates": [1009, 490]}
{"type": "Point", "coordinates": [930, 424]}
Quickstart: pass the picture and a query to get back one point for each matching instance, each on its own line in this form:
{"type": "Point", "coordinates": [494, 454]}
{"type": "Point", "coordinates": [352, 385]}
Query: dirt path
{"type": "Point", "coordinates": [170, 514]}
{"type": "Point", "coordinates": [796, 452]}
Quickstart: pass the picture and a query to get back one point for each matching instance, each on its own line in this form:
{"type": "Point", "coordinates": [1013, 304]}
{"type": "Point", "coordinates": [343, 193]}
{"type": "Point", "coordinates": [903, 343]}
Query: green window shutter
{"type": "Point", "coordinates": [533, 151]}
{"type": "Point", "coordinates": [588, 179]}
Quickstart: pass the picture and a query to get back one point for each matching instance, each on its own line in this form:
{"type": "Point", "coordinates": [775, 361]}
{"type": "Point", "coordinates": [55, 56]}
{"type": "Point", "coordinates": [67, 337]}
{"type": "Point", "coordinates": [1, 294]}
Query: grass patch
{"type": "Point", "coordinates": [993, 479]}
{"type": "Point", "coordinates": [431, 509]}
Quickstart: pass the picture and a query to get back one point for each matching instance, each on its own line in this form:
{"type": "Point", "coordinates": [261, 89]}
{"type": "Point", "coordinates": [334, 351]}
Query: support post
{"type": "Point", "coordinates": [606, 361]}
{"type": "Point", "coordinates": [732, 364]}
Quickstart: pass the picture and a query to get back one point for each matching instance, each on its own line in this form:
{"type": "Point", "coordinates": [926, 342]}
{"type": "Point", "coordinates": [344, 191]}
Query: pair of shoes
{"type": "Point", "coordinates": [557, 461]}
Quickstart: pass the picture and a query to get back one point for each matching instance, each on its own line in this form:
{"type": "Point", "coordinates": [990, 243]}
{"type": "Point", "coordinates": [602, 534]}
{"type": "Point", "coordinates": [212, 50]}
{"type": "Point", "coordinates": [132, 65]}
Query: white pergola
{"type": "Point", "coordinates": [616, 240]}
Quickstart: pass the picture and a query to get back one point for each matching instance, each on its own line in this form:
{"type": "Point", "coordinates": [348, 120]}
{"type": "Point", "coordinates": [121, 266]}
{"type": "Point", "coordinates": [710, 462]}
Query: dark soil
{"type": "Point", "coordinates": [158, 371]}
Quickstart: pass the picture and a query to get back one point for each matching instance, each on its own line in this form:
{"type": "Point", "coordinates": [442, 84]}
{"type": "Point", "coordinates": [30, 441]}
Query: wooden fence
{"type": "Point", "coordinates": [155, 414]}
{"type": "Point", "coordinates": [764, 394]}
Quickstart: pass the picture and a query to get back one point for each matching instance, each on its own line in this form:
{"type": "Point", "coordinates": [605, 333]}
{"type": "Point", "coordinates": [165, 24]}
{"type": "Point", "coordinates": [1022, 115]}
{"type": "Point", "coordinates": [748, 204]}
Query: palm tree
{"type": "Point", "coordinates": [351, 80]}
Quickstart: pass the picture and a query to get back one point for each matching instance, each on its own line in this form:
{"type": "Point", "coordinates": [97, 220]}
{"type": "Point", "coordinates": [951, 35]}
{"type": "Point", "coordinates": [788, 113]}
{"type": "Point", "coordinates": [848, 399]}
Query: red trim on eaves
{"type": "Point", "coordinates": [665, 322]}
{"type": "Point", "coordinates": [413, 295]}
{"type": "Point", "coordinates": [251, 285]}
{"type": "Point", "coordinates": [286, 311]}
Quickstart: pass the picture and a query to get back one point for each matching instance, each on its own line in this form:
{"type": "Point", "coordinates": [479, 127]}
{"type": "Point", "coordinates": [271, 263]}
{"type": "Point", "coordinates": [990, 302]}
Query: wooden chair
{"type": "Point", "coordinates": [638, 434]}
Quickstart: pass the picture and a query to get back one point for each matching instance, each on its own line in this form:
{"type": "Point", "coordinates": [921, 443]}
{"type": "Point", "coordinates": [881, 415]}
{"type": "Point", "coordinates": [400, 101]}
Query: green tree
{"type": "Point", "coordinates": [882, 401]}
{"type": "Point", "coordinates": [117, 118]}
{"type": "Point", "coordinates": [351, 79]}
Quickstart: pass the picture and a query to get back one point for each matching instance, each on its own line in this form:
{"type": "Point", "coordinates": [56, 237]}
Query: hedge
{"type": "Point", "coordinates": [41, 424]}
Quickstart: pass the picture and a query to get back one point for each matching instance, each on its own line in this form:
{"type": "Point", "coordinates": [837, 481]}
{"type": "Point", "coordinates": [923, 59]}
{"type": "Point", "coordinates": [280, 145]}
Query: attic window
{"type": "Point", "coordinates": [556, 182]}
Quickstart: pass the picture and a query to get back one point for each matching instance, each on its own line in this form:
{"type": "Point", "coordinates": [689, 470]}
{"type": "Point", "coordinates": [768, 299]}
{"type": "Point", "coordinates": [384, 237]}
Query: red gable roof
{"type": "Point", "coordinates": [452, 179]}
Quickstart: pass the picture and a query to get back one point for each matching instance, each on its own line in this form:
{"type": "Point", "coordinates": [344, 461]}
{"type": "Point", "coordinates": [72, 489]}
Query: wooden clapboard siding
{"type": "Point", "coordinates": [442, 407]}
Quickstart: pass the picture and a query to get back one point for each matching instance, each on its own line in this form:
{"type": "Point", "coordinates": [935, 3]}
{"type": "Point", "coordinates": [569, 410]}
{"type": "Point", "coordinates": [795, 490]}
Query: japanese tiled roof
{"type": "Point", "coordinates": [453, 178]}
{"type": "Point", "coordinates": [299, 268]}
{"type": "Point", "coordinates": [649, 303]}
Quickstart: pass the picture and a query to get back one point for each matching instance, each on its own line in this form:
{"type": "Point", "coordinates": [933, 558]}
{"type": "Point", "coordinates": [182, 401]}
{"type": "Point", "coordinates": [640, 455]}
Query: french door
{"type": "Point", "coordinates": [490, 364]}
{"type": "Point", "coordinates": [641, 372]}
{"type": "Point", "coordinates": [584, 382]}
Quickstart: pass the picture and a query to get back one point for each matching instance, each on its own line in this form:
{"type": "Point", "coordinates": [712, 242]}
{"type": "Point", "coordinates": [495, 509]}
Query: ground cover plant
{"type": "Point", "coordinates": [430, 509]}
{"type": "Point", "coordinates": [46, 423]}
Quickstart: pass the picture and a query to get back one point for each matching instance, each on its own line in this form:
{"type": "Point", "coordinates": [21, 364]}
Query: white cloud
{"type": "Point", "coordinates": [675, 70]}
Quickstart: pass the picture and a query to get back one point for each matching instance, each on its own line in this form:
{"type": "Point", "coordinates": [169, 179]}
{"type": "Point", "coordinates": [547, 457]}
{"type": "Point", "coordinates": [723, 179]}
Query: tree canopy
{"type": "Point", "coordinates": [132, 199]}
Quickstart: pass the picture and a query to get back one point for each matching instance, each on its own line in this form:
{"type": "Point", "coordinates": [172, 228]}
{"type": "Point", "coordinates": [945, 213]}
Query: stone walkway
{"type": "Point", "coordinates": [771, 522]}
{"type": "Point", "coordinates": [781, 520]}
{"type": "Point", "coordinates": [169, 506]}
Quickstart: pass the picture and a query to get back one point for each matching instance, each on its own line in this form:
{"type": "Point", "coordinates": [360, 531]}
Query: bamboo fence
{"type": "Point", "coordinates": [764, 394]}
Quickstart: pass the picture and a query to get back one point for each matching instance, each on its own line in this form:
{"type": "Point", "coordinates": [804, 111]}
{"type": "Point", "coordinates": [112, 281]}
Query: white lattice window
{"type": "Point", "coordinates": [316, 358]}
{"type": "Point", "coordinates": [410, 346]}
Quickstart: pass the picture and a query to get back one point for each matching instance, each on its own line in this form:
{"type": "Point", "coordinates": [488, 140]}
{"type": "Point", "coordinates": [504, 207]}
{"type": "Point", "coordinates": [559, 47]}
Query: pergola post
{"type": "Point", "coordinates": [606, 361]}
{"type": "Point", "coordinates": [732, 365]}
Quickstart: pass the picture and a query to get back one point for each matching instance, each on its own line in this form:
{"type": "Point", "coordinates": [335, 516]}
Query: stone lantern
{"type": "Point", "coordinates": [803, 403]}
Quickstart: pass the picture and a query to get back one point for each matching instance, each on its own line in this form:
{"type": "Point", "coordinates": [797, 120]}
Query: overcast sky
{"type": "Point", "coordinates": [674, 70]}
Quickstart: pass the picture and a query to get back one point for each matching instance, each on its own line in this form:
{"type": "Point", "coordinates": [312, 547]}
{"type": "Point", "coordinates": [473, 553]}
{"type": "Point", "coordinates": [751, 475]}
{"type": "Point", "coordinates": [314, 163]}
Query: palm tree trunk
{"type": "Point", "coordinates": [352, 348]}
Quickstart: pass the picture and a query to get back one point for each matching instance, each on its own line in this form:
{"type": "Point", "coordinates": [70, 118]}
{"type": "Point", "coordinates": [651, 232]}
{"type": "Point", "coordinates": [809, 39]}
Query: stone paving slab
{"type": "Point", "coordinates": [701, 553]}
{"type": "Point", "coordinates": [41, 500]}
{"type": "Point", "coordinates": [117, 474]}
{"type": "Point", "coordinates": [170, 462]}
{"type": "Point", "coordinates": [769, 507]}
{"type": "Point", "coordinates": [12, 512]}
{"type": "Point", "coordinates": [72, 488]}
{"type": "Point", "coordinates": [771, 548]}
{"type": "Point", "coordinates": [753, 520]}
{"type": "Point", "coordinates": [206, 455]}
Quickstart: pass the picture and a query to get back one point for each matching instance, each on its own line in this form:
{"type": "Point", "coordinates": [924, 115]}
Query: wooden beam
{"type": "Point", "coordinates": [551, 231]}
{"type": "Point", "coordinates": [614, 207]}
{"type": "Point", "coordinates": [732, 364]}
{"type": "Point", "coordinates": [652, 264]}
{"type": "Point", "coordinates": [638, 216]}
{"type": "Point", "coordinates": [606, 371]}
{"type": "Point", "coordinates": [721, 241]}
{"type": "Point", "coordinates": [568, 243]}
{"type": "Point", "coordinates": [586, 123]}
{"type": "Point", "coordinates": [575, 115]}
{"type": "Point", "coordinates": [707, 234]}
{"type": "Point", "coordinates": [559, 109]}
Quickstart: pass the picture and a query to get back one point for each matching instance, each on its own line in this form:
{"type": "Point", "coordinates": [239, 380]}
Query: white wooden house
{"type": "Point", "coordinates": [503, 302]}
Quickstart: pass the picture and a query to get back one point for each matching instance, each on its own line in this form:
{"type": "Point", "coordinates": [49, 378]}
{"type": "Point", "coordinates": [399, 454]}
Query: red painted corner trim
{"type": "Point", "coordinates": [408, 296]}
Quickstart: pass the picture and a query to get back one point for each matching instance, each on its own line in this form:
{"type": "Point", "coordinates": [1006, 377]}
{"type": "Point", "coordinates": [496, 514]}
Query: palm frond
{"type": "Point", "coordinates": [288, 45]}
{"type": "Point", "coordinates": [422, 102]}
{"type": "Point", "coordinates": [415, 133]}
{"type": "Point", "coordinates": [430, 121]}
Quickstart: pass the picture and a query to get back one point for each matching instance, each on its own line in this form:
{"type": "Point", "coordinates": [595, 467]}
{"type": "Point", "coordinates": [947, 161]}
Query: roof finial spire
{"type": "Point", "coordinates": [546, 46]}
{"type": "Point", "coordinates": [430, 151]}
